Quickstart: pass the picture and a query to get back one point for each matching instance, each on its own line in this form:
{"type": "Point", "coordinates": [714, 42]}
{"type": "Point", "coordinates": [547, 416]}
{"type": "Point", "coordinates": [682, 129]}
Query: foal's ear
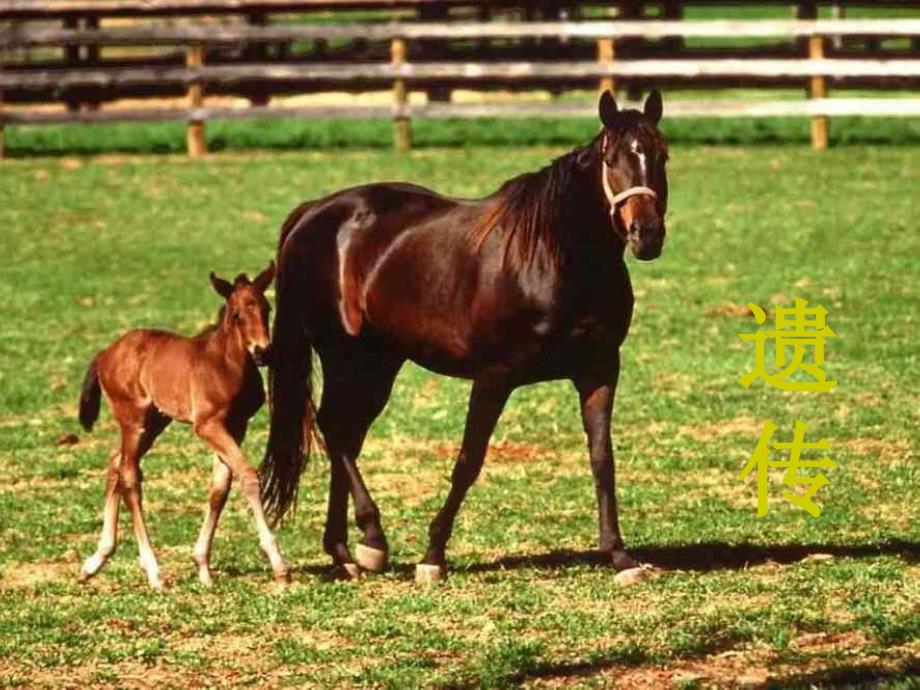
{"type": "Point", "coordinates": [264, 279]}
{"type": "Point", "coordinates": [607, 109]}
{"type": "Point", "coordinates": [653, 107]}
{"type": "Point", "coordinates": [221, 286]}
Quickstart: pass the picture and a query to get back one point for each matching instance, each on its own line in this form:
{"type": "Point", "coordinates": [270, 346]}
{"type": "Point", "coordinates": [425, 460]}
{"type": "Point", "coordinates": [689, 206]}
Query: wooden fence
{"type": "Point", "coordinates": [401, 72]}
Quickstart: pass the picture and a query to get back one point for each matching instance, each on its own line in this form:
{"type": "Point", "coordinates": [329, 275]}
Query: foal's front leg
{"type": "Point", "coordinates": [214, 432]}
{"type": "Point", "coordinates": [596, 395]}
{"type": "Point", "coordinates": [221, 478]}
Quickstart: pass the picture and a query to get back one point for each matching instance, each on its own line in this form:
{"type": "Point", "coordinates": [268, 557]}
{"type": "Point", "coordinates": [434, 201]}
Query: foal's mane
{"type": "Point", "coordinates": [530, 209]}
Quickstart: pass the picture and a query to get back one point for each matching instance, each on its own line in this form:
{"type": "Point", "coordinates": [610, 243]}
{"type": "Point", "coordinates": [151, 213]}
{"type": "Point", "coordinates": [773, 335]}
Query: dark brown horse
{"type": "Point", "coordinates": [526, 285]}
{"type": "Point", "coordinates": [211, 381]}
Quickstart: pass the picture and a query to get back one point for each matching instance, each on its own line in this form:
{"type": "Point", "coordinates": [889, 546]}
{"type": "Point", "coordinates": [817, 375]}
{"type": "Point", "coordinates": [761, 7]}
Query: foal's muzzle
{"type": "Point", "coordinates": [261, 355]}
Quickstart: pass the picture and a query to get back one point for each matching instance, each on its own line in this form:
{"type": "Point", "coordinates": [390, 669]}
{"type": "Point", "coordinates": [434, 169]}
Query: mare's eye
{"type": "Point", "coordinates": [237, 317]}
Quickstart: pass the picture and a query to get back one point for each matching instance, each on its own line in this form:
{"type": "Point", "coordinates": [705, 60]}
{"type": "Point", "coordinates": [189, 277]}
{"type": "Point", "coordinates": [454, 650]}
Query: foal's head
{"type": "Point", "coordinates": [247, 310]}
{"type": "Point", "coordinates": [633, 174]}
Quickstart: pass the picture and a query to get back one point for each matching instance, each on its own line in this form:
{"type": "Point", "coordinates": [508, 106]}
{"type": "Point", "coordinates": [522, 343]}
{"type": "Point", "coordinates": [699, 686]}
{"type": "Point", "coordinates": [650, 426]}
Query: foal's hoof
{"type": "Point", "coordinates": [371, 559]}
{"type": "Point", "coordinates": [631, 576]}
{"type": "Point", "coordinates": [426, 574]}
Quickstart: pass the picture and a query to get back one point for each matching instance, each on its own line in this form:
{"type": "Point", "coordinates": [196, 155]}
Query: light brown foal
{"type": "Point", "coordinates": [211, 381]}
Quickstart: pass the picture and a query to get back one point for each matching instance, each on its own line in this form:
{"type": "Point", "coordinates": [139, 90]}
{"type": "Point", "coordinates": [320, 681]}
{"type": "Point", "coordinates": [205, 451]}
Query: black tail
{"type": "Point", "coordinates": [90, 396]}
{"type": "Point", "coordinates": [290, 383]}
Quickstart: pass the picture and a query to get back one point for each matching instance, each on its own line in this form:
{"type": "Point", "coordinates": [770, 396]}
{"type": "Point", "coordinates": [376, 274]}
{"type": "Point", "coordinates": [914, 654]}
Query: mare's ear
{"type": "Point", "coordinates": [653, 107]}
{"type": "Point", "coordinates": [607, 109]}
{"type": "Point", "coordinates": [264, 279]}
{"type": "Point", "coordinates": [221, 286]}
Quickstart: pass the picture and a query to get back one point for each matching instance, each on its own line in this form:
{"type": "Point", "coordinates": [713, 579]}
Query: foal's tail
{"type": "Point", "coordinates": [89, 396]}
{"type": "Point", "coordinates": [290, 381]}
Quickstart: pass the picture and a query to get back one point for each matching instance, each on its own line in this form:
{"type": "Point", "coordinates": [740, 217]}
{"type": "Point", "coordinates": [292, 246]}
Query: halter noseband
{"type": "Point", "coordinates": [616, 199]}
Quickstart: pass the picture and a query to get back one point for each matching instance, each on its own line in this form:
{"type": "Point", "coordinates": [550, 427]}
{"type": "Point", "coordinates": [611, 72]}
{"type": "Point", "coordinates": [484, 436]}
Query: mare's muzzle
{"type": "Point", "coordinates": [646, 238]}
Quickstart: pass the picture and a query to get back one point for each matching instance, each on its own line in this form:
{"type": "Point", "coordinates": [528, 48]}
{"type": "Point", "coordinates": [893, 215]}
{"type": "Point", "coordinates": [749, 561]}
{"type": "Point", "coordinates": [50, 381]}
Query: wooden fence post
{"type": "Point", "coordinates": [2, 123]}
{"type": "Point", "coordinates": [195, 141]}
{"type": "Point", "coordinates": [605, 56]}
{"type": "Point", "coordinates": [819, 123]}
{"type": "Point", "coordinates": [72, 56]}
{"type": "Point", "coordinates": [402, 133]}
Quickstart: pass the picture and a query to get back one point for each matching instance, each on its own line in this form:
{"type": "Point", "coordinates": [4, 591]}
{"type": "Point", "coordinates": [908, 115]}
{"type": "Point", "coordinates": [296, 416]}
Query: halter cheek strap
{"type": "Point", "coordinates": [616, 199]}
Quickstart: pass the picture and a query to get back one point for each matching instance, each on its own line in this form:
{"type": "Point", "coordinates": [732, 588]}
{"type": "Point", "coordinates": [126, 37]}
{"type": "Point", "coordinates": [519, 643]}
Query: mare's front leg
{"type": "Point", "coordinates": [487, 400]}
{"type": "Point", "coordinates": [596, 394]}
{"type": "Point", "coordinates": [214, 432]}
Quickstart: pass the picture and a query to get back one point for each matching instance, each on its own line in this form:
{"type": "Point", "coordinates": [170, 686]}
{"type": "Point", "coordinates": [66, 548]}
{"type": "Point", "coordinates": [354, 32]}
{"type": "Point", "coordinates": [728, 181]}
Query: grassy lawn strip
{"type": "Point", "coordinates": [94, 246]}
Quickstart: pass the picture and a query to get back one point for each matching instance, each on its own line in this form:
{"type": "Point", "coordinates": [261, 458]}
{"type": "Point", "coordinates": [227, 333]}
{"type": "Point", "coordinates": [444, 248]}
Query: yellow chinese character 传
{"type": "Point", "coordinates": [761, 460]}
{"type": "Point", "coordinates": [797, 329]}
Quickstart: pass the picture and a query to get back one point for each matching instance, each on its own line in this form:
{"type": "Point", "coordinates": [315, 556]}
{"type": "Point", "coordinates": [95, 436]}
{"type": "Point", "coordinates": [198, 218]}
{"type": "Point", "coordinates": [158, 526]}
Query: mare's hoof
{"type": "Point", "coordinates": [344, 572]}
{"type": "Point", "coordinates": [282, 579]}
{"type": "Point", "coordinates": [631, 576]}
{"type": "Point", "coordinates": [426, 574]}
{"type": "Point", "coordinates": [621, 560]}
{"type": "Point", "coordinates": [371, 559]}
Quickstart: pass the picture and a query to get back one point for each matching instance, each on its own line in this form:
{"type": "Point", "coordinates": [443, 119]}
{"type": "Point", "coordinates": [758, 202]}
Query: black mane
{"type": "Point", "coordinates": [530, 208]}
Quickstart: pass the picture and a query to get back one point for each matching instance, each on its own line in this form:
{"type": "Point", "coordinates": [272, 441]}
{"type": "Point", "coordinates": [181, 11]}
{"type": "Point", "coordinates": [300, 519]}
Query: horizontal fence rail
{"type": "Point", "coordinates": [55, 8]}
{"type": "Point", "coordinates": [701, 108]}
{"type": "Point", "coordinates": [128, 36]}
{"type": "Point", "coordinates": [422, 71]}
{"type": "Point", "coordinates": [195, 76]}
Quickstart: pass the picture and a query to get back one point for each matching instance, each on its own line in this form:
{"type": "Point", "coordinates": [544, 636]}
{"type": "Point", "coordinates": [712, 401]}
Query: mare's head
{"type": "Point", "coordinates": [635, 183]}
{"type": "Point", "coordinates": [247, 311]}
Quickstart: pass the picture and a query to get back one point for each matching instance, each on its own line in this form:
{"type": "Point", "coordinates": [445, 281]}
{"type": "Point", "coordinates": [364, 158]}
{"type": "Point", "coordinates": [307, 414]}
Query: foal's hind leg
{"type": "Point", "coordinates": [214, 432]}
{"type": "Point", "coordinates": [137, 436]}
{"type": "Point", "coordinates": [221, 478]}
{"type": "Point", "coordinates": [355, 391]}
{"type": "Point", "coordinates": [109, 536]}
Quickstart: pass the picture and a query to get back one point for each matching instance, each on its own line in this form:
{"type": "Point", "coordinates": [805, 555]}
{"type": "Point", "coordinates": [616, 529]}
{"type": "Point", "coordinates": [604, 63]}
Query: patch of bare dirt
{"type": "Point", "coordinates": [739, 426]}
{"type": "Point", "coordinates": [889, 450]}
{"type": "Point", "coordinates": [822, 642]}
{"type": "Point", "coordinates": [30, 575]}
{"type": "Point", "coordinates": [729, 309]}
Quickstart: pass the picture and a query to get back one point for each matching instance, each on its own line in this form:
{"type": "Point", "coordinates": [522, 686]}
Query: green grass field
{"type": "Point", "coordinates": [94, 246]}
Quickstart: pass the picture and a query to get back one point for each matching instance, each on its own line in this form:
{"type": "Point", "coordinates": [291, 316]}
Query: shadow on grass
{"type": "Point", "coordinates": [861, 676]}
{"type": "Point", "coordinates": [702, 557]}
{"type": "Point", "coordinates": [707, 556]}
{"type": "Point", "coordinates": [858, 676]}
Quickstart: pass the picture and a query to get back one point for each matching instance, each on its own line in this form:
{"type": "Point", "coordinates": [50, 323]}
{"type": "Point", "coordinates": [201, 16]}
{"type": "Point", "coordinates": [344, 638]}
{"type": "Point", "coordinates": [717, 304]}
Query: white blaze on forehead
{"type": "Point", "coordinates": [634, 147]}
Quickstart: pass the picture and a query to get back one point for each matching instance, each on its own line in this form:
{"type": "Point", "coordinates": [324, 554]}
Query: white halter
{"type": "Point", "coordinates": [616, 199]}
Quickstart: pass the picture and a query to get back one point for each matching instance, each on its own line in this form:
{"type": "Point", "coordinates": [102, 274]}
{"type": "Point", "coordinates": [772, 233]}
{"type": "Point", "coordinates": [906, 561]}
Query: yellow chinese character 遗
{"type": "Point", "coordinates": [761, 459]}
{"type": "Point", "coordinates": [798, 329]}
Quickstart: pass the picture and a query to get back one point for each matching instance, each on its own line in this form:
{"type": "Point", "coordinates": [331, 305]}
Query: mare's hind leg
{"type": "Point", "coordinates": [215, 432]}
{"type": "Point", "coordinates": [137, 436]}
{"type": "Point", "coordinates": [487, 400]}
{"type": "Point", "coordinates": [355, 391]}
{"type": "Point", "coordinates": [109, 536]}
{"type": "Point", "coordinates": [221, 478]}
